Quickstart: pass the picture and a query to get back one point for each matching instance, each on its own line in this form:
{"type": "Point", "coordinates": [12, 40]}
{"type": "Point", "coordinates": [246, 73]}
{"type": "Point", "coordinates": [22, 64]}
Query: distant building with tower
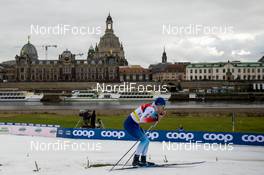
{"type": "Point", "coordinates": [164, 56]}
{"type": "Point", "coordinates": [166, 71]}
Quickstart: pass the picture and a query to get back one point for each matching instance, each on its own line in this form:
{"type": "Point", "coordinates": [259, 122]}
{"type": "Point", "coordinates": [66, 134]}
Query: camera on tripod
{"type": "Point", "coordinates": [88, 118]}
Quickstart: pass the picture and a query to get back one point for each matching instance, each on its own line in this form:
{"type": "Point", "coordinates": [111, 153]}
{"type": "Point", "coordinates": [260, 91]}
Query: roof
{"type": "Point", "coordinates": [261, 59]}
{"type": "Point", "coordinates": [168, 67]}
{"type": "Point", "coordinates": [133, 69]}
{"type": "Point", "coordinates": [29, 50]}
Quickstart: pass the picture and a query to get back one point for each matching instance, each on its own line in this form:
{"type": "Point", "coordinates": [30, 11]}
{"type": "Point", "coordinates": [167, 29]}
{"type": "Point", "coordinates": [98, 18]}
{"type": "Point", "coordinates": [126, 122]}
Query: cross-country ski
{"type": "Point", "coordinates": [166, 165]}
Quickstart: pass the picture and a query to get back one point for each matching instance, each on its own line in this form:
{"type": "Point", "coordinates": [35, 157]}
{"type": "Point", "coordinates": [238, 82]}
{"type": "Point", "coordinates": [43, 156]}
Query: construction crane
{"type": "Point", "coordinates": [46, 49]}
{"type": "Point", "coordinates": [79, 54]}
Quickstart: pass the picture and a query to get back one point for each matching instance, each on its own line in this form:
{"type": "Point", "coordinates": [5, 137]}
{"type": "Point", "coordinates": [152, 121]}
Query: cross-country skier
{"type": "Point", "coordinates": [146, 113]}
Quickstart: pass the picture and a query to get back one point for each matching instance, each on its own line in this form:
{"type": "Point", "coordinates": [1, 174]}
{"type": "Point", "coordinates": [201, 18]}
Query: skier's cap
{"type": "Point", "coordinates": [160, 101]}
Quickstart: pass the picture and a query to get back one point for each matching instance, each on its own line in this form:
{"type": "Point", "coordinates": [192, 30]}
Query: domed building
{"type": "Point", "coordinates": [30, 51]}
{"type": "Point", "coordinates": [102, 63]}
{"type": "Point", "coordinates": [109, 49]}
{"type": "Point", "coordinates": [28, 54]}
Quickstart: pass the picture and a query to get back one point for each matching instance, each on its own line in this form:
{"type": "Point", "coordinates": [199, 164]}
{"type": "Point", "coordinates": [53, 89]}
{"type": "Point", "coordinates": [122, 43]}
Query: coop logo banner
{"type": "Point", "coordinates": [113, 134]}
{"type": "Point", "coordinates": [218, 137]}
{"type": "Point", "coordinates": [85, 133]}
{"type": "Point", "coordinates": [180, 136]}
{"type": "Point", "coordinates": [168, 136]}
{"type": "Point", "coordinates": [253, 138]}
{"type": "Point", "coordinates": [152, 135]}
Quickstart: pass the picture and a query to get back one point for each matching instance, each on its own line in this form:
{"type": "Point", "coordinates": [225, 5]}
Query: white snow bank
{"type": "Point", "coordinates": [17, 157]}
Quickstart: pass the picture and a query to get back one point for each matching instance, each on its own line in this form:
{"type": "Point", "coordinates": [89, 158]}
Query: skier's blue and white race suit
{"type": "Point", "coordinates": [146, 113]}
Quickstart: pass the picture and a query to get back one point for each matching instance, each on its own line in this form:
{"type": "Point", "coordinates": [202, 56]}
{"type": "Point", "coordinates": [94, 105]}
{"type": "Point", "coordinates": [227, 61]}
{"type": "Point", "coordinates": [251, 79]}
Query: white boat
{"type": "Point", "coordinates": [93, 95]}
{"type": "Point", "coordinates": [16, 96]}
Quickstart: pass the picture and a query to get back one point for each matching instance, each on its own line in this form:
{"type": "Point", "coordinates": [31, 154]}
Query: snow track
{"type": "Point", "coordinates": [18, 156]}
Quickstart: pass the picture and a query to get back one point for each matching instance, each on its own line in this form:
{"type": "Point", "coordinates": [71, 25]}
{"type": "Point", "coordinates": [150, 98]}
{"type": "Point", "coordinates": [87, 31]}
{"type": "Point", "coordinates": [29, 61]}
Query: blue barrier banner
{"type": "Point", "coordinates": [168, 136]}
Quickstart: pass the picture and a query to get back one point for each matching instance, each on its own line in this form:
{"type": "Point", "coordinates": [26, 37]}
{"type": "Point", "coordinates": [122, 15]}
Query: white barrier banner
{"type": "Point", "coordinates": [28, 130]}
{"type": "Point", "coordinates": [5, 129]}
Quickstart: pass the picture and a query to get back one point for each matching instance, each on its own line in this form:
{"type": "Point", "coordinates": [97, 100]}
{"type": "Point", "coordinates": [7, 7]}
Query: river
{"type": "Point", "coordinates": [125, 105]}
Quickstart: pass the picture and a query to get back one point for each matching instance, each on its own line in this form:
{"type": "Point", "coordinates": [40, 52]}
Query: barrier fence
{"type": "Point", "coordinates": [29, 129]}
{"type": "Point", "coordinates": [113, 134]}
{"type": "Point", "coordinates": [161, 135]}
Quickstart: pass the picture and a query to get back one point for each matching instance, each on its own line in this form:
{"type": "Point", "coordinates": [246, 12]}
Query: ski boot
{"type": "Point", "coordinates": [144, 162]}
{"type": "Point", "coordinates": [136, 161]}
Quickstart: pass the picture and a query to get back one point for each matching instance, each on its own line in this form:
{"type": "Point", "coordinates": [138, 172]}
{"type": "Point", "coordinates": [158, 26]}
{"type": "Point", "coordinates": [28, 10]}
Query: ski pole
{"type": "Point", "coordinates": [130, 148]}
{"type": "Point", "coordinates": [135, 151]}
{"type": "Point", "coordinates": [123, 156]}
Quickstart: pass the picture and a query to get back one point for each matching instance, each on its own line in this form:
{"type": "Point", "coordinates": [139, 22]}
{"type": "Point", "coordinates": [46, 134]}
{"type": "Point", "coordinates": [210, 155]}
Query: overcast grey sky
{"type": "Point", "coordinates": [140, 26]}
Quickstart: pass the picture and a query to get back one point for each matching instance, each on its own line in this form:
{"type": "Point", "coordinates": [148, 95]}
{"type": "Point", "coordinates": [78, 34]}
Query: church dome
{"type": "Point", "coordinates": [29, 50]}
{"type": "Point", "coordinates": [66, 54]}
{"type": "Point", "coordinates": [109, 42]}
{"type": "Point", "coordinates": [109, 48]}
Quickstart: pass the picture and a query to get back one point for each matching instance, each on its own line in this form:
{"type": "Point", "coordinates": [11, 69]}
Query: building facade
{"type": "Point", "coordinates": [134, 73]}
{"type": "Point", "coordinates": [166, 71]}
{"type": "Point", "coordinates": [225, 71]}
{"type": "Point", "coordinates": [170, 72]}
{"type": "Point", "coordinates": [102, 62]}
{"type": "Point", "coordinates": [7, 71]}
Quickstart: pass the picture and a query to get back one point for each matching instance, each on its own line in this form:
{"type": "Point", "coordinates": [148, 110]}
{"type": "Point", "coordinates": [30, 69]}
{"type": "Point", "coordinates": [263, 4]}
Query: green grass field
{"type": "Point", "coordinates": [209, 122]}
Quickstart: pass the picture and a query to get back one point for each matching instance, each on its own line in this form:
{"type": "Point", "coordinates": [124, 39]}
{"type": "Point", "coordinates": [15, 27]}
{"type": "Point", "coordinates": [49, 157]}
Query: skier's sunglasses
{"type": "Point", "coordinates": [162, 106]}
